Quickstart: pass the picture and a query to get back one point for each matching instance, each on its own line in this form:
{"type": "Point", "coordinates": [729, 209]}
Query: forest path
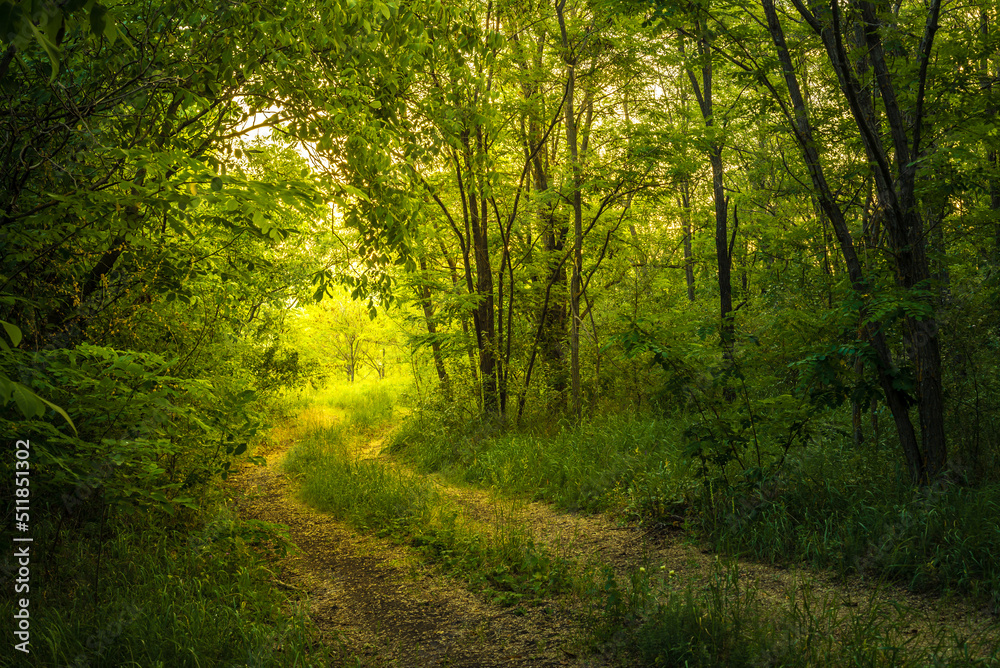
{"type": "Point", "coordinates": [394, 610]}
{"type": "Point", "coordinates": [391, 610]}
{"type": "Point", "coordinates": [599, 540]}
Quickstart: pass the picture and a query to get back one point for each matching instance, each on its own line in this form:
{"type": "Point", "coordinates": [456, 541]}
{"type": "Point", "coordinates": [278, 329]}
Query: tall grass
{"type": "Point", "coordinates": [608, 463]}
{"type": "Point", "coordinates": [840, 508]}
{"type": "Point", "coordinates": [501, 559]}
{"type": "Point", "coordinates": [654, 619]}
{"type": "Point", "coordinates": [369, 494]}
{"type": "Point", "coordinates": [830, 505]}
{"type": "Point", "coordinates": [165, 598]}
{"type": "Point", "coordinates": [831, 509]}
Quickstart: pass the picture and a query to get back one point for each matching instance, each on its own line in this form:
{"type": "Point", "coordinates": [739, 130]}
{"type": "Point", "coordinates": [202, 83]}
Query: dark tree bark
{"type": "Point", "coordinates": [688, 254]}
{"type": "Point", "coordinates": [424, 294]}
{"type": "Point", "coordinates": [483, 314]}
{"type": "Point", "coordinates": [573, 143]}
{"type": "Point", "coordinates": [925, 458]}
{"type": "Point", "coordinates": [723, 245]}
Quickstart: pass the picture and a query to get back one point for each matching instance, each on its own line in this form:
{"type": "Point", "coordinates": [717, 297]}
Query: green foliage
{"type": "Point", "coordinates": [151, 254]}
{"type": "Point", "coordinates": [592, 466]}
{"type": "Point", "coordinates": [502, 561]}
{"type": "Point", "coordinates": [202, 596]}
{"type": "Point", "coordinates": [137, 424]}
{"type": "Point", "coordinates": [729, 426]}
{"type": "Point", "coordinates": [656, 618]}
{"type": "Point", "coordinates": [368, 493]}
{"type": "Point", "coordinates": [846, 510]}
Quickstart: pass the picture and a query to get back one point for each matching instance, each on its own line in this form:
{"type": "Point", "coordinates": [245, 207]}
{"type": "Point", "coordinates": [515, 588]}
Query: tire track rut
{"type": "Point", "coordinates": [390, 609]}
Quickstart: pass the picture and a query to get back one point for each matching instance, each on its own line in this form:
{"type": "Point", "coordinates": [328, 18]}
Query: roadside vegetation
{"type": "Point", "coordinates": [645, 614]}
{"type": "Point", "coordinates": [340, 475]}
{"type": "Point", "coordinates": [829, 504]}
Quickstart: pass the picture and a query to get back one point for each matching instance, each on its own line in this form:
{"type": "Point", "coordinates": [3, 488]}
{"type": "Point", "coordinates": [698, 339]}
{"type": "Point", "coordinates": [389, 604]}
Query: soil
{"type": "Point", "coordinates": [392, 610]}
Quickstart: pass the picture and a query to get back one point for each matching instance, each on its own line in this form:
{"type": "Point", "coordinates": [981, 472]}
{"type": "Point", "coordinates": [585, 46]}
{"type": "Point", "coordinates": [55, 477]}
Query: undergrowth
{"type": "Point", "coordinates": [141, 594]}
{"type": "Point", "coordinates": [942, 538]}
{"type": "Point", "coordinates": [614, 463]}
{"type": "Point", "coordinates": [828, 504]}
{"type": "Point", "coordinates": [500, 559]}
{"type": "Point", "coordinates": [655, 619]}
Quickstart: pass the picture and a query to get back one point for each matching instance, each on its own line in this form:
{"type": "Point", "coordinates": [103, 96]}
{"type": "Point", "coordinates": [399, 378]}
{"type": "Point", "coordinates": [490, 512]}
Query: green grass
{"type": "Point", "coordinates": [200, 597]}
{"type": "Point", "coordinates": [830, 506]}
{"type": "Point", "coordinates": [369, 494]}
{"type": "Point", "coordinates": [499, 558]}
{"type": "Point", "coordinates": [655, 620]}
{"type": "Point", "coordinates": [939, 539]}
{"type": "Point", "coordinates": [364, 404]}
{"type": "Point", "coordinates": [610, 463]}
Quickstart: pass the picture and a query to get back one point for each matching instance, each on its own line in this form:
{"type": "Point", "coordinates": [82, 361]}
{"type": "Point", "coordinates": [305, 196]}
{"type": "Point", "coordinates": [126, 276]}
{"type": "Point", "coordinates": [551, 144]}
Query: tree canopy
{"type": "Point", "coordinates": [733, 208]}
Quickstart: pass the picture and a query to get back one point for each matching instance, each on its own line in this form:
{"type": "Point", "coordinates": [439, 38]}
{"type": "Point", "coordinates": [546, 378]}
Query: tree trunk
{"type": "Point", "coordinates": [424, 293]}
{"type": "Point", "coordinates": [723, 245]}
{"type": "Point", "coordinates": [572, 141]}
{"type": "Point", "coordinates": [483, 315]}
{"type": "Point", "coordinates": [688, 254]}
{"type": "Point", "coordinates": [896, 399]}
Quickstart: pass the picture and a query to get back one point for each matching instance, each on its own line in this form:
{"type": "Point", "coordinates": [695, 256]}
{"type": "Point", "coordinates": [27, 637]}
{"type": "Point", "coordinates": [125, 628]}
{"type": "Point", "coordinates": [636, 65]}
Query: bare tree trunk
{"type": "Point", "coordinates": [896, 399]}
{"type": "Point", "coordinates": [572, 141]}
{"type": "Point", "coordinates": [723, 245]}
{"type": "Point", "coordinates": [688, 254]}
{"type": "Point", "coordinates": [483, 315]}
{"type": "Point", "coordinates": [529, 56]}
{"type": "Point", "coordinates": [424, 293]}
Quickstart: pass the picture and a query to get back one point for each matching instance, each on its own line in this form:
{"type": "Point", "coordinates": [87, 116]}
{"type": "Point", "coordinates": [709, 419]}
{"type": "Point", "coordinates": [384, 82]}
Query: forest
{"type": "Point", "coordinates": [500, 332]}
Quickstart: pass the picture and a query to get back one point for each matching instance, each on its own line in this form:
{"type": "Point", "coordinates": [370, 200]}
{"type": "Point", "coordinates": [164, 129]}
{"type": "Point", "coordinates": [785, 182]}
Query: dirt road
{"type": "Point", "coordinates": [392, 610]}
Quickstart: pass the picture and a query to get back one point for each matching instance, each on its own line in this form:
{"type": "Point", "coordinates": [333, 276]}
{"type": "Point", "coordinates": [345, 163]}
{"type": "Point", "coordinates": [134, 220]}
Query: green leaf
{"type": "Point", "coordinates": [51, 49]}
{"type": "Point", "coordinates": [26, 401]}
{"type": "Point", "coordinates": [58, 410]}
{"type": "Point", "coordinates": [216, 184]}
{"type": "Point", "coordinates": [52, 26]}
{"type": "Point", "coordinates": [98, 20]}
{"type": "Point", "coordinates": [13, 332]}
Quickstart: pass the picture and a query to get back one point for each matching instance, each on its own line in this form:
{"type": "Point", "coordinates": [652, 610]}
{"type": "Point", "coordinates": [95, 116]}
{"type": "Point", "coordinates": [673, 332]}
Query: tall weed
{"type": "Point", "coordinates": [857, 514]}
{"type": "Point", "coordinates": [500, 558]}
{"type": "Point", "coordinates": [655, 619]}
{"type": "Point", "coordinates": [610, 463]}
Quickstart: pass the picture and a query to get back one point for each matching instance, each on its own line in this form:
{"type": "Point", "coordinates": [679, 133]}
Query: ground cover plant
{"type": "Point", "coordinates": [652, 619]}
{"type": "Point", "coordinates": [135, 595]}
{"type": "Point", "coordinates": [828, 505]}
{"type": "Point", "coordinates": [646, 615]}
{"type": "Point", "coordinates": [373, 494]}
